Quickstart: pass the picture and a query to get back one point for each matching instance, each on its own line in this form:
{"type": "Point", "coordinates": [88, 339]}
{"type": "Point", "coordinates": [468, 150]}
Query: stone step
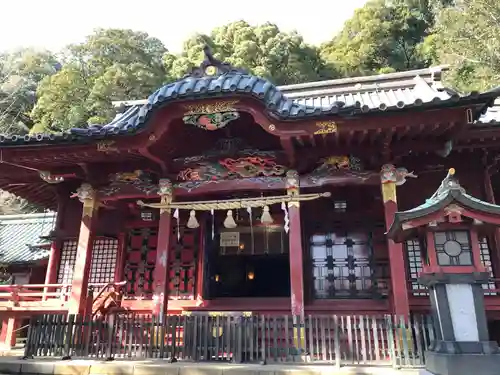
{"type": "Point", "coordinates": [158, 367]}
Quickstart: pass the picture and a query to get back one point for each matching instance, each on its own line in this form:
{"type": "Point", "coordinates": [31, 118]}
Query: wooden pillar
{"type": "Point", "coordinates": [495, 244]}
{"type": "Point", "coordinates": [160, 277]}
{"type": "Point", "coordinates": [55, 247]}
{"type": "Point", "coordinates": [296, 262]}
{"type": "Point", "coordinates": [79, 286]}
{"type": "Point", "coordinates": [390, 178]}
{"type": "Point", "coordinates": [8, 334]}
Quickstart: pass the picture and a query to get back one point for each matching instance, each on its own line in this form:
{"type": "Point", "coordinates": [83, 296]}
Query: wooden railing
{"type": "Point", "coordinates": [238, 337]}
{"type": "Point", "coordinates": [109, 295]}
{"type": "Point", "coordinates": [32, 294]}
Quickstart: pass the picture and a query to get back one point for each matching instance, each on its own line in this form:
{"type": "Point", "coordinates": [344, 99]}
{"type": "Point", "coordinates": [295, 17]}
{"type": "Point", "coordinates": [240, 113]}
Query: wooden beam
{"type": "Point", "coordinates": [287, 145]}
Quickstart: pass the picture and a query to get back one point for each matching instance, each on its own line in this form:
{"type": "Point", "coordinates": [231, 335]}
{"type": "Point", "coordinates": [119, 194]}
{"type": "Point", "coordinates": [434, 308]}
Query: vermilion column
{"type": "Point", "coordinates": [55, 247]}
{"type": "Point", "coordinates": [160, 277]}
{"type": "Point", "coordinates": [390, 178]}
{"type": "Point", "coordinates": [495, 246]}
{"type": "Point", "coordinates": [296, 262]}
{"type": "Point", "coordinates": [79, 286]}
{"type": "Point", "coordinates": [8, 334]}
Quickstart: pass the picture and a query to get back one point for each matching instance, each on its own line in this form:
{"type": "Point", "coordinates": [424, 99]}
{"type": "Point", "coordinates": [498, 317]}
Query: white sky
{"type": "Point", "coordinates": [56, 23]}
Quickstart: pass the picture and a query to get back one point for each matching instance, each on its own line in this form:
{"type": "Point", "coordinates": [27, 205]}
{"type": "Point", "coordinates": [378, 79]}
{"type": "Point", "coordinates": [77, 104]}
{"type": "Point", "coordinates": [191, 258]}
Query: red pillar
{"type": "Point", "coordinates": [495, 244]}
{"type": "Point", "coordinates": [8, 334]}
{"type": "Point", "coordinates": [78, 298]}
{"type": "Point", "coordinates": [55, 247]}
{"type": "Point", "coordinates": [390, 177]}
{"type": "Point", "coordinates": [160, 277]}
{"type": "Point", "coordinates": [296, 262]}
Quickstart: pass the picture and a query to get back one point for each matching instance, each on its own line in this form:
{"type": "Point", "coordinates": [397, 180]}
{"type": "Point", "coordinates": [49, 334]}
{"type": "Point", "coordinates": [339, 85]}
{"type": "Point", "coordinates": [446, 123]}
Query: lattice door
{"type": "Point", "coordinates": [67, 262]}
{"type": "Point", "coordinates": [182, 261]}
{"type": "Point", "coordinates": [140, 261]}
{"type": "Point", "coordinates": [102, 267]}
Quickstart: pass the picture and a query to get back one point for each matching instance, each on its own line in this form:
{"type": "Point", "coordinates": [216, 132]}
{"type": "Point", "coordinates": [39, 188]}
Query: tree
{"type": "Point", "coordinates": [20, 73]}
{"type": "Point", "coordinates": [264, 50]}
{"type": "Point", "coordinates": [112, 64]}
{"type": "Point", "coordinates": [383, 36]}
{"type": "Point", "coordinates": [467, 36]}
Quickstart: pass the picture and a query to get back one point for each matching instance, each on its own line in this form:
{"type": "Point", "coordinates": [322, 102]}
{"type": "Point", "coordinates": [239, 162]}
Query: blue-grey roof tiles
{"type": "Point", "coordinates": [20, 237]}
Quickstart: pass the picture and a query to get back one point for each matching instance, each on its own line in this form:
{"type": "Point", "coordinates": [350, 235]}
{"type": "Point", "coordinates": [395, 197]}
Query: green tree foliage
{"type": "Point", "coordinates": [383, 36]}
{"type": "Point", "coordinates": [264, 50]}
{"type": "Point", "coordinates": [467, 36]}
{"type": "Point", "coordinates": [110, 65]}
{"type": "Point", "coordinates": [20, 73]}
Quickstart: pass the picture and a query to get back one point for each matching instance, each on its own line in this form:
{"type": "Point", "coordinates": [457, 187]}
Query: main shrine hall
{"type": "Point", "coordinates": [224, 192]}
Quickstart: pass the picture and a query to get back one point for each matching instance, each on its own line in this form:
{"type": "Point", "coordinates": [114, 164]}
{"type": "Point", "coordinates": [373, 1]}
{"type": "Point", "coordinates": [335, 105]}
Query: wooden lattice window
{"type": "Point", "coordinates": [342, 264]}
{"type": "Point", "coordinates": [102, 267]}
{"type": "Point", "coordinates": [182, 262]}
{"type": "Point", "coordinates": [485, 253]}
{"type": "Point", "coordinates": [67, 263]}
{"type": "Point", "coordinates": [140, 261]}
{"type": "Point", "coordinates": [415, 254]}
{"type": "Point", "coordinates": [453, 248]}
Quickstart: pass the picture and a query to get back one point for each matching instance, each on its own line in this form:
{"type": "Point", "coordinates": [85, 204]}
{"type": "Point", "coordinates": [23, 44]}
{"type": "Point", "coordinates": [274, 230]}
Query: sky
{"type": "Point", "coordinates": [57, 23]}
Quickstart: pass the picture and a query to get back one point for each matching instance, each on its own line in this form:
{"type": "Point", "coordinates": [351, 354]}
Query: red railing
{"type": "Point", "coordinates": [31, 293]}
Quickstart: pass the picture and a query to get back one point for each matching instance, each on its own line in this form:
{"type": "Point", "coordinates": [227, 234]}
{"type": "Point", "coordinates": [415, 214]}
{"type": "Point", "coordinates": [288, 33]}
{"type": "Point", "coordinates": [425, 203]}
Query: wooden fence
{"type": "Point", "coordinates": [235, 337]}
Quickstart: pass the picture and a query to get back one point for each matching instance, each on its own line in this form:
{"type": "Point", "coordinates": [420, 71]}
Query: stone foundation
{"type": "Point", "coordinates": [85, 367]}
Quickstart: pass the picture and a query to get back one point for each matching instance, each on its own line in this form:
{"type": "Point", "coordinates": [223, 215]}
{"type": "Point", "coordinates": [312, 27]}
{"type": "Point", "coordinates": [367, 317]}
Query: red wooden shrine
{"type": "Point", "coordinates": [365, 148]}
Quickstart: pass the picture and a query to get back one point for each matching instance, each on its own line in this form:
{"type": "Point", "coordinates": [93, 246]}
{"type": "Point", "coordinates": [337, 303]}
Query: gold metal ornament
{"type": "Point", "coordinates": [326, 127]}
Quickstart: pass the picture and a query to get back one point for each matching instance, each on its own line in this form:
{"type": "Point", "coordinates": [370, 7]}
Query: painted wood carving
{"type": "Point", "coordinates": [337, 169]}
{"type": "Point", "coordinates": [389, 173]}
{"type": "Point", "coordinates": [136, 182]}
{"type": "Point", "coordinates": [211, 116]}
{"type": "Point", "coordinates": [231, 160]}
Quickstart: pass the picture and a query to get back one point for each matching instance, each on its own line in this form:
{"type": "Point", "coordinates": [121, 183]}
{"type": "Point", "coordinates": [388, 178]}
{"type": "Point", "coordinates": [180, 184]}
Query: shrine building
{"type": "Point", "coordinates": [223, 192]}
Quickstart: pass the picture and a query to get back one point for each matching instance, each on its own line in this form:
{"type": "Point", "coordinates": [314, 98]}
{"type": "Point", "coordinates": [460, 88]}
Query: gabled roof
{"type": "Point", "coordinates": [448, 192]}
{"type": "Point", "coordinates": [491, 116]}
{"type": "Point", "coordinates": [345, 97]}
{"type": "Point", "coordinates": [20, 240]}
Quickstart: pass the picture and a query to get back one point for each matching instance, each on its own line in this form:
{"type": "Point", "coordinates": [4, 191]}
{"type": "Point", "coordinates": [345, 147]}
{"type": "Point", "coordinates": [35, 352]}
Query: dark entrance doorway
{"type": "Point", "coordinates": [252, 276]}
{"type": "Point", "coordinates": [250, 262]}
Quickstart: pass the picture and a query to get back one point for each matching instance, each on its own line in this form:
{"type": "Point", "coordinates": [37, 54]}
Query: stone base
{"type": "Point", "coordinates": [462, 364]}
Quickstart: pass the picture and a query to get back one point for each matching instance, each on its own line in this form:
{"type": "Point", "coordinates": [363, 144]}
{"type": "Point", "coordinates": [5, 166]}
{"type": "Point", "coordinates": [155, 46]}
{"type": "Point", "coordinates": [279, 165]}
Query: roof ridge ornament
{"type": "Point", "coordinates": [212, 67]}
{"type": "Point", "coordinates": [450, 182]}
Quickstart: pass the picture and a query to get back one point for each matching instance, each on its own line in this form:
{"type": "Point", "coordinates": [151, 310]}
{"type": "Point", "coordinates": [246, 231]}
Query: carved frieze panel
{"type": "Point", "coordinates": [337, 168]}
{"type": "Point", "coordinates": [136, 182]}
{"type": "Point", "coordinates": [212, 116]}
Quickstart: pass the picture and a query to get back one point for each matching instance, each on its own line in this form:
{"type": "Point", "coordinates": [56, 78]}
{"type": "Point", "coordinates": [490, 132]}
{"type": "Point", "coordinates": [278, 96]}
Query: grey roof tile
{"type": "Point", "coordinates": [20, 237]}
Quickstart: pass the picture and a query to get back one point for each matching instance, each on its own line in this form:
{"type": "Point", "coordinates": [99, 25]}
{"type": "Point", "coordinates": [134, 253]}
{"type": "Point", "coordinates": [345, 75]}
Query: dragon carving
{"type": "Point", "coordinates": [229, 168]}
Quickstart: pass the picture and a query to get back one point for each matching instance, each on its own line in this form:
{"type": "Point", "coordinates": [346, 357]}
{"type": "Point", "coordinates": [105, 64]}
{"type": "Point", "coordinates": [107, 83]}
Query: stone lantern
{"type": "Point", "coordinates": [449, 224]}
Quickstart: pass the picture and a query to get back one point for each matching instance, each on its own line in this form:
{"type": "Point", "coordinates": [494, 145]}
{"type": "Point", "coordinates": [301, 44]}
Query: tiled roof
{"type": "Point", "coordinates": [492, 115]}
{"type": "Point", "coordinates": [350, 96]}
{"type": "Point", "coordinates": [20, 237]}
{"type": "Point", "coordinates": [448, 192]}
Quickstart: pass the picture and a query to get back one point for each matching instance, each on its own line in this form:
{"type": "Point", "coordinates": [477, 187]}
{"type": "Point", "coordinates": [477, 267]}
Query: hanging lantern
{"type": "Point", "coordinates": [192, 222]}
{"type": "Point", "coordinates": [250, 275]}
{"type": "Point", "coordinates": [229, 221]}
{"type": "Point", "coordinates": [266, 217]}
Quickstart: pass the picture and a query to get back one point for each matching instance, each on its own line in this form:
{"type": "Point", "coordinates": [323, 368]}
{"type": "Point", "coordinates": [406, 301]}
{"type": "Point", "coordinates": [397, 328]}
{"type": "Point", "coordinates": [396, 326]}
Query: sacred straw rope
{"type": "Point", "coordinates": [234, 203]}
